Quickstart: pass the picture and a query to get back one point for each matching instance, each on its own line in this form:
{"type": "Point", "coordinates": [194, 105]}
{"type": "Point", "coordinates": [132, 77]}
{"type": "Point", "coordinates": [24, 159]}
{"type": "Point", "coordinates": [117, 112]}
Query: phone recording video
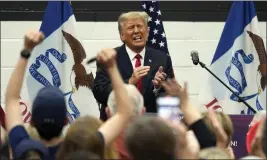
{"type": "Point", "coordinates": [168, 108]}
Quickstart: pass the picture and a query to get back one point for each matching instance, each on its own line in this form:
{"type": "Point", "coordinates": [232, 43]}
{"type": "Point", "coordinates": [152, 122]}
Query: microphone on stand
{"type": "Point", "coordinates": [195, 59]}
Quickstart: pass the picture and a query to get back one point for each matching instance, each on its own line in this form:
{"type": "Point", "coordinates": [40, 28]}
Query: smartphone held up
{"type": "Point", "coordinates": [168, 108]}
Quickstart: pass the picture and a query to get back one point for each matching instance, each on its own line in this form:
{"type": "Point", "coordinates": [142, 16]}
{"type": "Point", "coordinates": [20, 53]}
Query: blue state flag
{"type": "Point", "coordinates": [60, 61]}
{"type": "Point", "coordinates": [240, 61]}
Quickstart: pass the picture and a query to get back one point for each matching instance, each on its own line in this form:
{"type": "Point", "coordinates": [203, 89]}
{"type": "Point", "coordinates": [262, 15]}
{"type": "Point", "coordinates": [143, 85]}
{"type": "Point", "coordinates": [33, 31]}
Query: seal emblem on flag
{"type": "Point", "coordinates": [82, 78]}
{"type": "Point", "coordinates": [259, 45]}
{"type": "Point", "coordinates": [58, 62]}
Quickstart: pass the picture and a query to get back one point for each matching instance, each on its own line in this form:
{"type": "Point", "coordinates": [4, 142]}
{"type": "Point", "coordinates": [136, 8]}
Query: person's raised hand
{"type": "Point", "coordinates": [107, 58]}
{"type": "Point", "coordinates": [32, 39]}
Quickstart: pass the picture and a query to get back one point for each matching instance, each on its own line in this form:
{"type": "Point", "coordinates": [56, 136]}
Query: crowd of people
{"type": "Point", "coordinates": [127, 132]}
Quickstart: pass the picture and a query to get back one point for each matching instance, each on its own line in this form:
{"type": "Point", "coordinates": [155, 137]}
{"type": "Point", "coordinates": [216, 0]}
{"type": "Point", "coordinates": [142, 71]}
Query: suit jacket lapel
{"type": "Point", "coordinates": [124, 63]}
{"type": "Point", "coordinates": [146, 79]}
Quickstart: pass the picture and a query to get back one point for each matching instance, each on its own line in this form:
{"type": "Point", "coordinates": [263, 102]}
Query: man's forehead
{"type": "Point", "coordinates": [134, 20]}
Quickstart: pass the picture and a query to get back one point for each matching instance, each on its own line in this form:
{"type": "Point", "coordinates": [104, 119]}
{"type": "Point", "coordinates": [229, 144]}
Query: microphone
{"type": "Point", "coordinates": [91, 60]}
{"type": "Point", "coordinates": [195, 58]}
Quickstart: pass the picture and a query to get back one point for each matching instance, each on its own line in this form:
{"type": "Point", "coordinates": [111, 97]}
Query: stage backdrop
{"type": "Point", "coordinates": [238, 143]}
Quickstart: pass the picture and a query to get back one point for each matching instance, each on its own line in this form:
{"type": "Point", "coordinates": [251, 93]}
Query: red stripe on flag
{"type": "Point", "coordinates": [27, 117]}
{"type": "Point", "coordinates": [25, 112]}
{"type": "Point", "coordinates": [211, 103]}
{"type": "Point", "coordinates": [25, 109]}
{"type": "Point", "coordinates": [217, 107]}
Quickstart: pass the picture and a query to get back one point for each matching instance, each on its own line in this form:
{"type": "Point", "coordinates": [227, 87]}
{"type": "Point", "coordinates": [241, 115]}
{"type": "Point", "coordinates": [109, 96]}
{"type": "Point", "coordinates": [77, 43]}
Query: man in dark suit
{"type": "Point", "coordinates": [139, 65]}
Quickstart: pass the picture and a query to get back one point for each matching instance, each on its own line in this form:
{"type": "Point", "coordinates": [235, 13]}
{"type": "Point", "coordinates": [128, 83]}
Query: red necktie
{"type": "Point", "coordinates": [138, 64]}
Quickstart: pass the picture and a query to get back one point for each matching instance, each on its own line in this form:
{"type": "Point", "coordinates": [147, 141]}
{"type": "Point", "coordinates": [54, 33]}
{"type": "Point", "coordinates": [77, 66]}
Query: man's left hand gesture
{"type": "Point", "coordinates": [160, 76]}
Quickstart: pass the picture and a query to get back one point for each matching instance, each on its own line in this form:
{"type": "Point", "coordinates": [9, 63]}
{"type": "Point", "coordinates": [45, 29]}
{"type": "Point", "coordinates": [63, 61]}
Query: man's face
{"type": "Point", "coordinates": [134, 33]}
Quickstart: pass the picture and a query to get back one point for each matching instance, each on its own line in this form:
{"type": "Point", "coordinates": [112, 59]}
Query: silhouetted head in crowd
{"type": "Point", "coordinates": [150, 138]}
{"type": "Point", "coordinates": [4, 151]}
{"type": "Point", "coordinates": [82, 135]}
{"type": "Point", "coordinates": [31, 150]}
{"type": "Point", "coordinates": [82, 155]}
{"type": "Point", "coordinates": [136, 99]}
{"type": "Point", "coordinates": [224, 120]}
{"type": "Point", "coordinates": [213, 153]}
{"type": "Point", "coordinates": [49, 113]}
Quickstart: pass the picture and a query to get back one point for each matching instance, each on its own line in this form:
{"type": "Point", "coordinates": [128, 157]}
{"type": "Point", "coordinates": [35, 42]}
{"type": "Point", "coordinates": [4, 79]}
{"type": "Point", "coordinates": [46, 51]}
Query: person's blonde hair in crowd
{"type": "Point", "coordinates": [33, 133]}
{"type": "Point", "coordinates": [32, 155]}
{"type": "Point", "coordinates": [150, 138]}
{"type": "Point", "coordinates": [213, 153]}
{"type": "Point", "coordinates": [224, 120]}
{"type": "Point", "coordinates": [82, 135]}
{"type": "Point", "coordinates": [137, 100]}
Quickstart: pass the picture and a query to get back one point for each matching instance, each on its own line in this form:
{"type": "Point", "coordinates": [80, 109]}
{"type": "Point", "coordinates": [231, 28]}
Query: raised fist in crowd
{"type": "Point", "coordinates": [32, 38]}
{"type": "Point", "coordinates": [107, 57]}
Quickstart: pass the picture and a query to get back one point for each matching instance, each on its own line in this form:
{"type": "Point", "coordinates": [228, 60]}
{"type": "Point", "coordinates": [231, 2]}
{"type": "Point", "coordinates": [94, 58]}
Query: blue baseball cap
{"type": "Point", "coordinates": [27, 145]}
{"type": "Point", "coordinates": [49, 109]}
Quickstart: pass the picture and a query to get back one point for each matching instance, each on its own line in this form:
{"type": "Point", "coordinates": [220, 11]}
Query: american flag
{"type": "Point", "coordinates": [157, 38]}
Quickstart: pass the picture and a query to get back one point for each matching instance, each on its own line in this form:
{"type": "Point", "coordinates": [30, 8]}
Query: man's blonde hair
{"type": "Point", "coordinates": [132, 15]}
